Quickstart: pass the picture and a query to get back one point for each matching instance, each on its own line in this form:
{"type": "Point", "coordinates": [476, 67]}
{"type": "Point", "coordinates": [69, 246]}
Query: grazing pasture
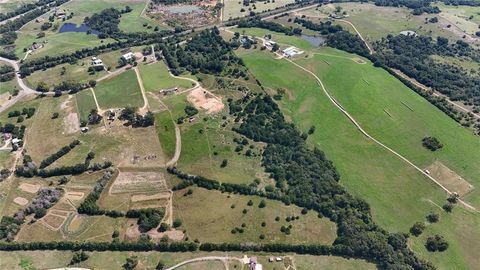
{"type": "Point", "coordinates": [156, 77]}
{"type": "Point", "coordinates": [119, 91]}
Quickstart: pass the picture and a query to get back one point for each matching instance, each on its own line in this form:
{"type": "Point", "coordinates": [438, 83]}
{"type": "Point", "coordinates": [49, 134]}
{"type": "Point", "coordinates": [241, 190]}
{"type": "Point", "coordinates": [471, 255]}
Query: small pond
{"type": "Point", "coordinates": [315, 41]}
{"type": "Point", "coordinates": [71, 27]}
{"type": "Point", "coordinates": [182, 9]}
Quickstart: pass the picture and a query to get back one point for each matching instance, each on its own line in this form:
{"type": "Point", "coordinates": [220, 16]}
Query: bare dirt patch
{"type": "Point", "coordinates": [202, 99]}
{"type": "Point", "coordinates": [29, 188]}
{"type": "Point", "coordinates": [359, 60]}
{"type": "Point", "coordinates": [74, 195]}
{"type": "Point", "coordinates": [174, 235]}
{"type": "Point", "coordinates": [71, 123]}
{"type": "Point", "coordinates": [20, 201]}
{"type": "Point", "coordinates": [141, 182]}
{"type": "Point", "coordinates": [448, 178]}
{"type": "Point", "coordinates": [53, 222]}
{"type": "Point", "coordinates": [143, 197]}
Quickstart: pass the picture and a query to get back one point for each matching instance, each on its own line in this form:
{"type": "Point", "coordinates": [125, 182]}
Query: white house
{"type": "Point", "coordinates": [96, 62]}
{"type": "Point", "coordinates": [128, 56]}
{"type": "Point", "coordinates": [291, 52]}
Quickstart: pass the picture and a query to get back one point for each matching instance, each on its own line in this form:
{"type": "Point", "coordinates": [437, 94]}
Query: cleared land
{"type": "Point", "coordinates": [85, 103]}
{"type": "Point", "coordinates": [209, 217]}
{"type": "Point", "coordinates": [120, 91]}
{"type": "Point", "coordinates": [166, 132]}
{"type": "Point", "coordinates": [331, 263]}
{"type": "Point", "coordinates": [368, 171]}
{"type": "Point", "coordinates": [128, 182]}
{"type": "Point", "coordinates": [156, 77]}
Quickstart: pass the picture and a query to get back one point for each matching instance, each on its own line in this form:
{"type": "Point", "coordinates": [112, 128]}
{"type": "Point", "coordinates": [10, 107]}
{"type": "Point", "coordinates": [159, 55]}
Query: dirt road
{"type": "Point", "coordinates": [205, 259]}
{"type": "Point", "coordinates": [143, 110]}
{"type": "Point", "coordinates": [357, 125]}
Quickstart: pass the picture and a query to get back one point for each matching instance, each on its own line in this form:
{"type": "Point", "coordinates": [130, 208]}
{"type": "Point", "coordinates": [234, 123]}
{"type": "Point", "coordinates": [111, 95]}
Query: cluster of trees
{"type": "Point", "coordinates": [60, 153]}
{"type": "Point", "coordinates": [206, 52]}
{"type": "Point", "coordinates": [137, 120]}
{"type": "Point", "coordinates": [419, 6]}
{"type": "Point", "coordinates": [93, 117]}
{"type": "Point", "coordinates": [28, 112]}
{"type": "Point", "coordinates": [147, 218]}
{"type": "Point", "coordinates": [436, 243]}
{"type": "Point", "coordinates": [432, 143]}
{"type": "Point", "coordinates": [8, 38]}
{"type": "Point", "coordinates": [105, 22]}
{"type": "Point", "coordinates": [7, 73]}
{"type": "Point", "coordinates": [45, 198]}
{"type": "Point", "coordinates": [411, 55]}
{"type": "Point", "coordinates": [337, 37]}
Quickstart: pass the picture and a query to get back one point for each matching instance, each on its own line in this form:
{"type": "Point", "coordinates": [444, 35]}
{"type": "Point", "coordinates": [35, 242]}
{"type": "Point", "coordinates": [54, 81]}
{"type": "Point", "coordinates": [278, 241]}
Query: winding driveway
{"type": "Point", "coordinates": [24, 89]}
{"type": "Point", "coordinates": [204, 259]}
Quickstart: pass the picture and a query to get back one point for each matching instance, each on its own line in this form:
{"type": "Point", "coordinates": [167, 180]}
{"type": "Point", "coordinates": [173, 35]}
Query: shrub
{"type": "Point", "coordinates": [436, 243]}
{"type": "Point", "coordinates": [262, 204]}
{"type": "Point", "coordinates": [177, 223]}
{"type": "Point", "coordinates": [433, 217]}
{"type": "Point", "coordinates": [417, 228]}
{"type": "Point", "coordinates": [431, 143]}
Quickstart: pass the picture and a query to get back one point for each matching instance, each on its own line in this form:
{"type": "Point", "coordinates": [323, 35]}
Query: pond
{"type": "Point", "coordinates": [183, 9]}
{"type": "Point", "coordinates": [315, 41]}
{"type": "Point", "coordinates": [82, 28]}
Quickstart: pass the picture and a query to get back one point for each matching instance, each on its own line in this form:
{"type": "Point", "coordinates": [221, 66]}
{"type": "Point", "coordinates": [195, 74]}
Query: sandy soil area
{"type": "Point", "coordinates": [30, 188]}
{"type": "Point", "coordinates": [141, 182]}
{"type": "Point", "coordinates": [143, 197]}
{"type": "Point", "coordinates": [20, 201]}
{"type": "Point", "coordinates": [205, 100]}
{"type": "Point", "coordinates": [448, 178]}
{"type": "Point", "coordinates": [74, 195]}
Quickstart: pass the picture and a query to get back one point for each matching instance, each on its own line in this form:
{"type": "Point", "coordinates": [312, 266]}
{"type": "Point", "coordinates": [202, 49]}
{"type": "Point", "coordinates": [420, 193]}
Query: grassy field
{"type": "Point", "coordinates": [330, 263]}
{"type": "Point", "coordinates": [119, 91]}
{"type": "Point", "coordinates": [66, 72]}
{"type": "Point", "coordinates": [85, 103]}
{"type": "Point", "coordinates": [375, 22]}
{"type": "Point", "coordinates": [232, 9]}
{"type": "Point", "coordinates": [166, 132]}
{"type": "Point", "coordinates": [366, 91]}
{"type": "Point", "coordinates": [209, 217]}
{"type": "Point", "coordinates": [368, 171]}
{"type": "Point", "coordinates": [466, 18]}
{"type": "Point", "coordinates": [11, 5]}
{"type": "Point", "coordinates": [155, 77]}
{"type": "Point", "coordinates": [8, 86]}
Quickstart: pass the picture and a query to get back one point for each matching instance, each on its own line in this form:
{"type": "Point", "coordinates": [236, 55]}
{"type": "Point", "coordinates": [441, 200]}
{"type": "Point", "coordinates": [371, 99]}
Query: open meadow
{"type": "Point", "coordinates": [367, 170]}
{"type": "Point", "coordinates": [156, 77]}
{"type": "Point", "coordinates": [210, 216]}
{"type": "Point", "coordinates": [119, 91]}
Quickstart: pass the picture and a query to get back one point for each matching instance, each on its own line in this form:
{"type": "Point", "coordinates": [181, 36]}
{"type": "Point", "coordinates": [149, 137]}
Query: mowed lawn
{"type": "Point", "coordinates": [85, 103]}
{"type": "Point", "coordinates": [166, 132]}
{"type": "Point", "coordinates": [119, 91]}
{"type": "Point", "coordinates": [209, 216]}
{"type": "Point", "coordinates": [367, 92]}
{"type": "Point", "coordinates": [398, 195]}
{"type": "Point", "coordinates": [156, 77]}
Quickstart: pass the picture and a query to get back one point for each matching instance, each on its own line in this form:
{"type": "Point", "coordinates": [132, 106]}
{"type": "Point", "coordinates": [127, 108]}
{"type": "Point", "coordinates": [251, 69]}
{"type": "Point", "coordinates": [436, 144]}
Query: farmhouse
{"type": "Point", "coordinates": [60, 13]}
{"type": "Point", "coordinates": [16, 141]}
{"type": "Point", "coordinates": [36, 46]}
{"type": "Point", "coordinates": [128, 56]}
{"type": "Point", "coordinates": [169, 91]}
{"type": "Point", "coordinates": [291, 52]}
{"type": "Point", "coordinates": [97, 62]}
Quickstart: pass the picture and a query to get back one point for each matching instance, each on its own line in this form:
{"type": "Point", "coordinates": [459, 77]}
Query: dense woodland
{"type": "Point", "coordinates": [411, 55]}
{"type": "Point", "coordinates": [206, 52]}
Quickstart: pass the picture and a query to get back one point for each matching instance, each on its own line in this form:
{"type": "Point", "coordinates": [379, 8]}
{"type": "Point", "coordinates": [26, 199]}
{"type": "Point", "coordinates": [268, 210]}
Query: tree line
{"type": "Point", "coordinates": [57, 155]}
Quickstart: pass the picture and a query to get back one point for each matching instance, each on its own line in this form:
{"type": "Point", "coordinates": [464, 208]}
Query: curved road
{"type": "Point", "coordinates": [204, 259]}
{"type": "Point", "coordinates": [24, 91]}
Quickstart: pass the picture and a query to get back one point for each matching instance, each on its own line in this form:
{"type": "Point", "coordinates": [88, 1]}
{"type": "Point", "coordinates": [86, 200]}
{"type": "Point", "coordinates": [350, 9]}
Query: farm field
{"type": "Point", "coordinates": [232, 9]}
{"type": "Point", "coordinates": [119, 91]}
{"type": "Point", "coordinates": [156, 77]}
{"type": "Point", "coordinates": [223, 212]}
{"type": "Point", "coordinates": [380, 174]}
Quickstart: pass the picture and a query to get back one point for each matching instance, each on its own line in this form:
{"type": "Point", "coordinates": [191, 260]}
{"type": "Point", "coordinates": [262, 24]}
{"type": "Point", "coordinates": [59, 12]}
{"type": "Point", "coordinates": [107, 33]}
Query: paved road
{"type": "Point", "coordinates": [24, 89]}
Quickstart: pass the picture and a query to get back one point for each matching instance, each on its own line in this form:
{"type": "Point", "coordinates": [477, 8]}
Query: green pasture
{"type": "Point", "coordinates": [209, 216]}
{"type": "Point", "coordinates": [166, 132]}
{"type": "Point", "coordinates": [156, 77]}
{"type": "Point", "coordinates": [85, 103]}
{"type": "Point", "coordinates": [119, 91]}
{"type": "Point", "coordinates": [398, 194]}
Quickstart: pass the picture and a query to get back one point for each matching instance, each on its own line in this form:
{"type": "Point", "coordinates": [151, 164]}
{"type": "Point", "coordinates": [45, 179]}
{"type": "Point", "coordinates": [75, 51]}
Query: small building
{"type": "Point", "coordinates": [110, 115]}
{"type": "Point", "coordinates": [36, 46]}
{"type": "Point", "coordinates": [60, 13]}
{"type": "Point", "coordinates": [291, 52]}
{"type": "Point", "coordinates": [128, 56]}
{"type": "Point", "coordinates": [169, 91]}
{"type": "Point", "coordinates": [97, 62]}
{"type": "Point", "coordinates": [408, 33]}
{"type": "Point", "coordinates": [84, 129]}
{"type": "Point", "coordinates": [253, 265]}
{"type": "Point", "coordinates": [16, 141]}
{"type": "Point", "coordinates": [271, 259]}
{"type": "Point", "coordinates": [279, 259]}
{"type": "Point", "coordinates": [270, 43]}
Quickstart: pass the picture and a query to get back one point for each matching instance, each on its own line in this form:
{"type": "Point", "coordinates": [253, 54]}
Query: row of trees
{"type": "Point", "coordinates": [89, 205]}
{"type": "Point", "coordinates": [60, 153]}
{"type": "Point", "coordinates": [24, 8]}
